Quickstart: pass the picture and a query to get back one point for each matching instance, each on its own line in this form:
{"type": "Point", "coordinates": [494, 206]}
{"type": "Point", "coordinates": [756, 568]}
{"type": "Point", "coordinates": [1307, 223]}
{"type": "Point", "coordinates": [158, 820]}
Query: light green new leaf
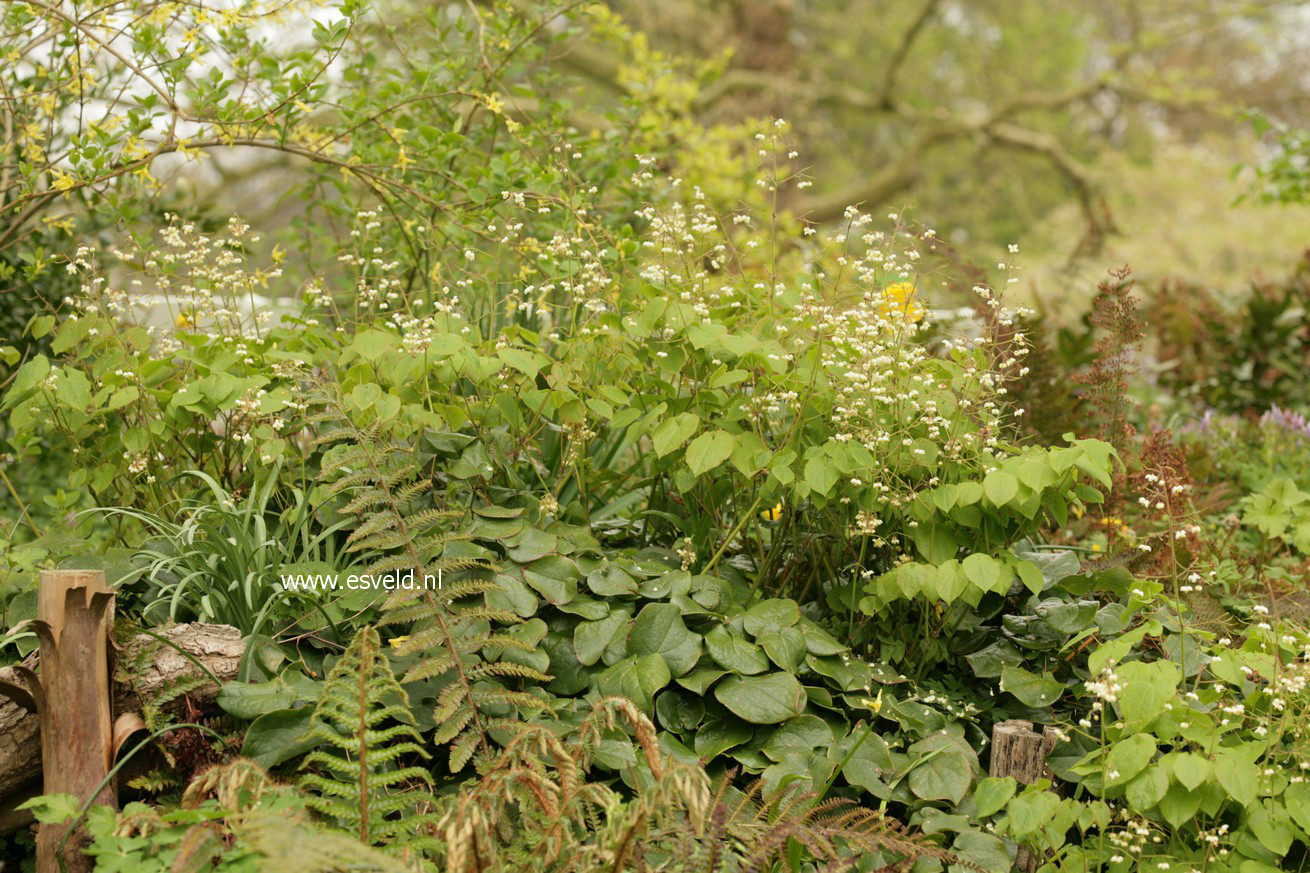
{"type": "Point", "coordinates": [709, 450]}
{"type": "Point", "coordinates": [673, 432]}
{"type": "Point", "coordinates": [1191, 769]}
{"type": "Point", "coordinates": [73, 389]}
{"type": "Point", "coordinates": [820, 474]}
{"type": "Point", "coordinates": [1128, 757]}
{"type": "Point", "coordinates": [1147, 788]}
{"type": "Point", "coordinates": [1000, 487]}
{"type": "Point", "coordinates": [1297, 799]}
{"type": "Point", "coordinates": [1238, 776]}
{"type": "Point", "coordinates": [982, 571]}
{"type": "Point", "coordinates": [1146, 689]}
{"type": "Point", "coordinates": [1031, 811]}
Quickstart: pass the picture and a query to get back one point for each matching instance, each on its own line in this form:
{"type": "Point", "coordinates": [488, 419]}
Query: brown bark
{"type": "Point", "coordinates": [218, 647]}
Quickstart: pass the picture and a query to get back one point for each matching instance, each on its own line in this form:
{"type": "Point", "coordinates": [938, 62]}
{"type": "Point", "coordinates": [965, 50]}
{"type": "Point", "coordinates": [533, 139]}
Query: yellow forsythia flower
{"type": "Point", "coordinates": [899, 302]}
{"type": "Point", "coordinates": [61, 181]}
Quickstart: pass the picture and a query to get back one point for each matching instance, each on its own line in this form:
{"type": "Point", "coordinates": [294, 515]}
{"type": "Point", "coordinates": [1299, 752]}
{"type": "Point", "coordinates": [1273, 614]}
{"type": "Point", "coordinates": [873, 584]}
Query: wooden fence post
{"type": "Point", "coordinates": [74, 618]}
{"type": "Point", "coordinates": [1018, 751]}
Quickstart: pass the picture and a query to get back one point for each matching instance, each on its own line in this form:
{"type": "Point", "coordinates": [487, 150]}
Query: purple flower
{"type": "Point", "coordinates": [1291, 421]}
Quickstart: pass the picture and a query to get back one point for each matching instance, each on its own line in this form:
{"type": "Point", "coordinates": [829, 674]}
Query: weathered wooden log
{"type": "Point", "coordinates": [154, 669]}
{"type": "Point", "coordinates": [1019, 751]}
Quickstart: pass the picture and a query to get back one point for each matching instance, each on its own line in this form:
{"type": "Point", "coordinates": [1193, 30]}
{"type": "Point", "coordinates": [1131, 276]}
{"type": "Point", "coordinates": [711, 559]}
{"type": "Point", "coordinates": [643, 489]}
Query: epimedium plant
{"type": "Point", "coordinates": [130, 399]}
{"type": "Point", "coordinates": [673, 453]}
{"type": "Point", "coordinates": [744, 416]}
{"type": "Point", "coordinates": [378, 125]}
{"type": "Point", "coordinates": [724, 430]}
{"type": "Point", "coordinates": [1201, 766]}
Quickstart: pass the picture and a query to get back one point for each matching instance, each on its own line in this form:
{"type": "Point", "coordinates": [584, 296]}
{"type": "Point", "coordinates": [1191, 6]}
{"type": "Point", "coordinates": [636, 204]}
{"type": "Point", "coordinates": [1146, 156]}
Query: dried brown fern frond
{"type": "Point", "coordinates": [267, 818]}
{"type": "Point", "coordinates": [237, 783]}
{"type": "Point", "coordinates": [539, 807]}
{"type": "Point", "coordinates": [294, 843]}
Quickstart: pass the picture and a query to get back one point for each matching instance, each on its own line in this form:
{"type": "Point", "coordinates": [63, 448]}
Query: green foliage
{"type": "Point", "coordinates": [359, 779]}
{"type": "Point", "coordinates": [280, 712]}
{"type": "Point", "coordinates": [728, 679]}
{"type": "Point", "coordinates": [220, 560]}
{"type": "Point", "coordinates": [1284, 176]}
{"type": "Point", "coordinates": [1238, 355]}
{"type": "Point", "coordinates": [971, 536]}
{"type": "Point", "coordinates": [1280, 512]}
{"type": "Point", "coordinates": [666, 484]}
{"type": "Point", "coordinates": [203, 400]}
{"type": "Point", "coordinates": [1206, 769]}
{"type": "Point", "coordinates": [1250, 454]}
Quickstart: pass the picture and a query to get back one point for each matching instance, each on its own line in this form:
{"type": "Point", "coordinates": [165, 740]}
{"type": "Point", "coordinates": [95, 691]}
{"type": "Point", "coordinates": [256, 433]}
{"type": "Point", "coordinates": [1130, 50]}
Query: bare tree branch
{"type": "Point", "coordinates": [902, 51]}
{"type": "Point", "coordinates": [1099, 221]}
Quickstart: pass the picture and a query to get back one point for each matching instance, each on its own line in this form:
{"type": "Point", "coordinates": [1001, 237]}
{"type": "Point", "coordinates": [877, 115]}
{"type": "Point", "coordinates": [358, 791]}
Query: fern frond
{"type": "Point", "coordinates": [406, 493]}
{"type": "Point", "coordinates": [507, 669]}
{"type": "Point", "coordinates": [332, 436]}
{"type": "Point", "coordinates": [466, 587]}
{"type": "Point", "coordinates": [490, 695]}
{"type": "Point", "coordinates": [429, 517]}
{"type": "Point", "coordinates": [376, 541]}
{"type": "Point", "coordinates": [462, 750]}
{"type": "Point", "coordinates": [358, 760]}
{"type": "Point", "coordinates": [385, 488]}
{"type": "Point", "coordinates": [367, 497]}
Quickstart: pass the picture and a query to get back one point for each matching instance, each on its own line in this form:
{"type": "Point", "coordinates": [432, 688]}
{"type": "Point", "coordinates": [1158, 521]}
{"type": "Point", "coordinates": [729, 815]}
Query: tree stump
{"type": "Point", "coordinates": [1019, 751]}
